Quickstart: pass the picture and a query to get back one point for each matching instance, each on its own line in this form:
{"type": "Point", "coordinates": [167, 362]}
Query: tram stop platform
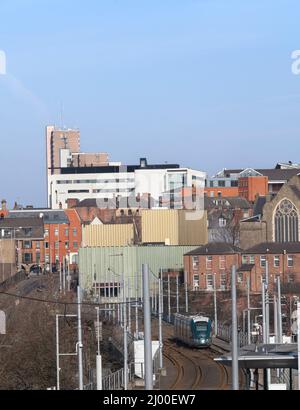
{"type": "Point", "coordinates": [265, 357]}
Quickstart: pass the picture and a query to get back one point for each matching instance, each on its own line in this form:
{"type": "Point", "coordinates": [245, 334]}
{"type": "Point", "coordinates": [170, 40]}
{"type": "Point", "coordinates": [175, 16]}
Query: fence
{"type": "Point", "coordinates": [224, 333]}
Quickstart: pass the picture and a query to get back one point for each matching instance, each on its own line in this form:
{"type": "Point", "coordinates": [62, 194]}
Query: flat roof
{"type": "Point", "coordinates": [265, 356]}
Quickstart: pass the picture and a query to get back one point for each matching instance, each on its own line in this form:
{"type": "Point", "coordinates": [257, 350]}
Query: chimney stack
{"type": "Point", "coordinates": [3, 205]}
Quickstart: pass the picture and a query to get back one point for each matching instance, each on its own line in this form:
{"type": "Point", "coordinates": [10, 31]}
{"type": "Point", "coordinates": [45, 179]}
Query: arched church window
{"type": "Point", "coordinates": [286, 222]}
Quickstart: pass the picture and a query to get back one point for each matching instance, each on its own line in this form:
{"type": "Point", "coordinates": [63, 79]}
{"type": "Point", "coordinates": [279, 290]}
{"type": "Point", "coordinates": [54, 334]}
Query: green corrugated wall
{"type": "Point", "coordinates": [106, 263]}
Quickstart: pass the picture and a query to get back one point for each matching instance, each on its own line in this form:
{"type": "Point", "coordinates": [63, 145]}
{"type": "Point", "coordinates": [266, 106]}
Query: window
{"type": "Point", "coordinates": [245, 259]}
{"type": "Point", "coordinates": [209, 262]}
{"type": "Point", "coordinates": [234, 183]}
{"type": "Point", "coordinates": [263, 261]}
{"type": "Point", "coordinates": [222, 222]}
{"type": "Point", "coordinates": [195, 260]}
{"type": "Point", "coordinates": [67, 245]}
{"type": "Point", "coordinates": [74, 232]}
{"type": "Point", "coordinates": [209, 281]}
{"type": "Point", "coordinates": [38, 245]}
{"type": "Point", "coordinates": [56, 232]}
{"type": "Point", "coordinates": [27, 231]}
{"type": "Point", "coordinates": [223, 281]}
{"type": "Point", "coordinates": [66, 232]}
{"type": "Point", "coordinates": [46, 245]}
{"type": "Point", "coordinates": [56, 245]}
{"type": "Point", "coordinates": [290, 261]}
{"type": "Point", "coordinates": [46, 232]}
{"type": "Point", "coordinates": [286, 222]}
{"type": "Point", "coordinates": [221, 183]}
{"type": "Point", "coordinates": [75, 245]}
{"type": "Point", "coordinates": [240, 277]}
{"type": "Point", "coordinates": [47, 258]}
{"type": "Point", "coordinates": [290, 278]}
{"type": "Point", "coordinates": [276, 261]}
{"type": "Point", "coordinates": [222, 262]}
{"type": "Point", "coordinates": [38, 257]}
{"type": "Point", "coordinates": [196, 284]}
{"type": "Point", "coordinates": [27, 258]}
{"type": "Point", "coordinates": [252, 259]}
{"type": "Point", "coordinates": [27, 245]}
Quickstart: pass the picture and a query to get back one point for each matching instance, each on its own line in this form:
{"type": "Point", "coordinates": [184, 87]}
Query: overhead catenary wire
{"type": "Point", "coordinates": [60, 302]}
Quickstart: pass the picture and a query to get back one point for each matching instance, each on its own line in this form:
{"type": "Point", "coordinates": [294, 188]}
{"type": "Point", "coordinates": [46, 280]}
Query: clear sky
{"type": "Point", "coordinates": [205, 83]}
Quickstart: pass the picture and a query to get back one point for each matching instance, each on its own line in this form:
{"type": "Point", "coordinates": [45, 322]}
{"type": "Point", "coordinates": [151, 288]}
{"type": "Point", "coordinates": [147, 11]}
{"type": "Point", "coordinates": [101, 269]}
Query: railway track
{"type": "Point", "coordinates": [194, 369]}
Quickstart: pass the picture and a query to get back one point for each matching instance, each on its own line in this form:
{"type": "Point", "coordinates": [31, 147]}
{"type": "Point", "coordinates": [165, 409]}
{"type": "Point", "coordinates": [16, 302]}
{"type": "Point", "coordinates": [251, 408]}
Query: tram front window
{"type": "Point", "coordinates": [201, 327]}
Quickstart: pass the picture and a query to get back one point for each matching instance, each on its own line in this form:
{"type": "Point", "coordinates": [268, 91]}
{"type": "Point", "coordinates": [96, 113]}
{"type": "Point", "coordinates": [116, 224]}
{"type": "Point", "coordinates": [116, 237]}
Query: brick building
{"type": "Point", "coordinates": [208, 260]}
{"type": "Point", "coordinates": [278, 259]}
{"type": "Point", "coordinates": [282, 259]}
{"type": "Point", "coordinates": [20, 234]}
{"type": "Point", "coordinates": [249, 182]}
{"type": "Point", "coordinates": [61, 239]}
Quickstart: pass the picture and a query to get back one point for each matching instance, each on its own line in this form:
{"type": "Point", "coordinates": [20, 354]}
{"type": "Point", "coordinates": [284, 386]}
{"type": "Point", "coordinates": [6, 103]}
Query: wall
{"type": "Point", "coordinates": [7, 259]}
{"type": "Point", "coordinates": [103, 263]}
{"type": "Point", "coordinates": [173, 227]}
{"type": "Point", "coordinates": [249, 187]}
{"type": "Point", "coordinates": [203, 269]}
{"type": "Point", "coordinates": [225, 191]}
{"type": "Point", "coordinates": [252, 233]}
{"type": "Point", "coordinates": [283, 270]}
{"type": "Point", "coordinates": [108, 235]}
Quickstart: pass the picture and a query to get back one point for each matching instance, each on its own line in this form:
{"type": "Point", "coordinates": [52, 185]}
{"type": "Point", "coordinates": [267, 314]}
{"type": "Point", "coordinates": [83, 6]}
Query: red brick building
{"type": "Point", "coordinates": [62, 238]}
{"type": "Point", "coordinates": [281, 259]}
{"type": "Point", "coordinates": [250, 187]}
{"type": "Point", "coordinates": [213, 260]}
{"type": "Point", "coordinates": [216, 260]}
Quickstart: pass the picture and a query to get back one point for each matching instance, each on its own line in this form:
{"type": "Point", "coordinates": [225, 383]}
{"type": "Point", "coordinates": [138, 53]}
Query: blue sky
{"type": "Point", "coordinates": [205, 83]}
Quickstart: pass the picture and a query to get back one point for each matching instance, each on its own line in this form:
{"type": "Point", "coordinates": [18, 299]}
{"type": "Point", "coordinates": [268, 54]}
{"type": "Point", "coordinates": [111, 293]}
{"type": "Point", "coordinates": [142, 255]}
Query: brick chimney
{"type": "Point", "coordinates": [3, 205]}
{"type": "Point", "coordinates": [72, 202]}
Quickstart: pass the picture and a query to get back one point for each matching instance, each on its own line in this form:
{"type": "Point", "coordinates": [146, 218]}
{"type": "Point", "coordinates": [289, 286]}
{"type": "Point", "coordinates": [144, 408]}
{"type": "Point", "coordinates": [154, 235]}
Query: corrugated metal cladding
{"type": "Point", "coordinates": [174, 227]}
{"type": "Point", "coordinates": [106, 264]}
{"type": "Point", "coordinates": [108, 235]}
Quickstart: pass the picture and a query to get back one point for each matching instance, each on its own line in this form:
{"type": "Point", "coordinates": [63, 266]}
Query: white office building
{"type": "Point", "coordinates": [105, 183]}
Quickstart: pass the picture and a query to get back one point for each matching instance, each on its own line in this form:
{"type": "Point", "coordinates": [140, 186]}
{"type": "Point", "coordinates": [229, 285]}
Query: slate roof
{"type": "Point", "coordinates": [215, 248]}
{"type": "Point", "coordinates": [273, 174]}
{"type": "Point", "coordinates": [259, 204]}
{"type": "Point", "coordinates": [57, 216]}
{"type": "Point", "coordinates": [274, 248]}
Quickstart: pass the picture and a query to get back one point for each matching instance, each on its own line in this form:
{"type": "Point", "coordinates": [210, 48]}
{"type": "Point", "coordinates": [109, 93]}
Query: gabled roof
{"type": "Point", "coordinates": [216, 248]}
